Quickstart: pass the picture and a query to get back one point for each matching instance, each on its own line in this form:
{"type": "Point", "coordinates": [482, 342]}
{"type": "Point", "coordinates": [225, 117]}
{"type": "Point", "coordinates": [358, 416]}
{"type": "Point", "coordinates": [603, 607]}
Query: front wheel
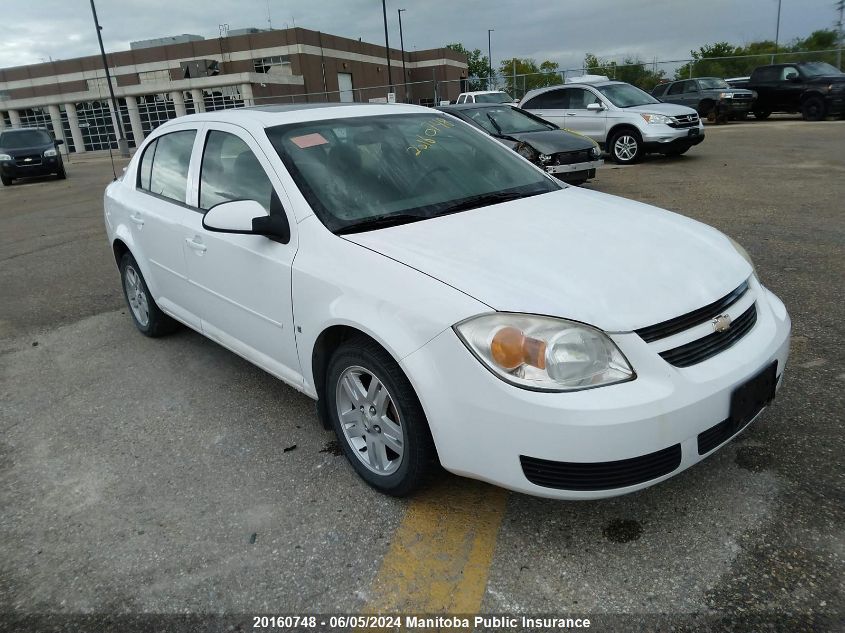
{"type": "Point", "coordinates": [146, 315]}
{"type": "Point", "coordinates": [626, 147]}
{"type": "Point", "coordinates": [762, 114]}
{"type": "Point", "coordinates": [377, 418]}
{"type": "Point", "coordinates": [61, 174]}
{"type": "Point", "coordinates": [813, 109]}
{"type": "Point", "coordinates": [6, 181]}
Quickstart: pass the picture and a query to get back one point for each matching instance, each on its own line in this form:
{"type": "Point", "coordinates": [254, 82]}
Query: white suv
{"type": "Point", "coordinates": [485, 96]}
{"type": "Point", "coordinates": [623, 119]}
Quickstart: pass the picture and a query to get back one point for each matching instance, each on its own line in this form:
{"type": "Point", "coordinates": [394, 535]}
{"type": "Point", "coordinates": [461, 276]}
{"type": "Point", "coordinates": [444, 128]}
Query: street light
{"type": "Point", "coordinates": [387, 45]}
{"type": "Point", "coordinates": [777, 34]}
{"type": "Point", "coordinates": [402, 46]}
{"type": "Point", "coordinates": [122, 143]}
{"type": "Point", "coordinates": [489, 60]}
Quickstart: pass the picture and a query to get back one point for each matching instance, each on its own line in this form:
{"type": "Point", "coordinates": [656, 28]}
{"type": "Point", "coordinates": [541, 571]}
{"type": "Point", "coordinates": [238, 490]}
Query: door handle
{"type": "Point", "coordinates": [571, 114]}
{"type": "Point", "coordinates": [137, 219]}
{"type": "Point", "coordinates": [199, 247]}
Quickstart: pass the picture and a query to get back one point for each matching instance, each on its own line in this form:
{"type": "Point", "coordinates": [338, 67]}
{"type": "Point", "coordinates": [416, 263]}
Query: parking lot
{"type": "Point", "coordinates": [170, 476]}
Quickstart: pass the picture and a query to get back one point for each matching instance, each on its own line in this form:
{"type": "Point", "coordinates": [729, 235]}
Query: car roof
{"type": "Point", "coordinates": [24, 129]}
{"type": "Point", "coordinates": [272, 115]}
{"type": "Point", "coordinates": [485, 92]}
{"type": "Point", "coordinates": [473, 106]}
{"type": "Point", "coordinates": [539, 91]}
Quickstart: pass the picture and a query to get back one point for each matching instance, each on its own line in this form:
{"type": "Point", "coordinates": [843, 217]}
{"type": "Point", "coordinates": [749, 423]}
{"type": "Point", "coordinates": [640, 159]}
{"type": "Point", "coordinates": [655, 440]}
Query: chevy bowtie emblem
{"type": "Point", "coordinates": [27, 160]}
{"type": "Point", "coordinates": [721, 323]}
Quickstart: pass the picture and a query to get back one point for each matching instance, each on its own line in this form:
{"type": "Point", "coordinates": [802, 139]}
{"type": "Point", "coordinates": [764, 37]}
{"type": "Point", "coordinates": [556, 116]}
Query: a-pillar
{"type": "Point", "coordinates": [199, 100]}
{"type": "Point", "coordinates": [178, 102]}
{"type": "Point", "coordinates": [135, 120]}
{"type": "Point", "coordinates": [246, 95]}
{"type": "Point", "coordinates": [75, 131]}
{"type": "Point", "coordinates": [56, 122]}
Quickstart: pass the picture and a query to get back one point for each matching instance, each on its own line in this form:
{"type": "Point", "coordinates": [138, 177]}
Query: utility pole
{"type": "Point", "coordinates": [387, 44]}
{"type": "Point", "coordinates": [777, 34]}
{"type": "Point", "coordinates": [404, 70]}
{"type": "Point", "coordinates": [513, 88]}
{"type": "Point", "coordinates": [489, 60]}
{"type": "Point", "coordinates": [122, 143]}
{"type": "Point", "coordinates": [841, 6]}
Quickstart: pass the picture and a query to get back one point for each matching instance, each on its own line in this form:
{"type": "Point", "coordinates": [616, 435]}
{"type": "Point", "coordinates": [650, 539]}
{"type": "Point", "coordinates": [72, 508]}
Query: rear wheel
{"type": "Point", "coordinates": [762, 114]}
{"type": "Point", "coordinates": [626, 147]}
{"type": "Point", "coordinates": [146, 315]}
{"type": "Point", "coordinates": [377, 418]}
{"type": "Point", "coordinates": [813, 109]}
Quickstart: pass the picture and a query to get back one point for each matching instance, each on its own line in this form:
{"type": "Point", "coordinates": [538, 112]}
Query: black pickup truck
{"type": "Point", "coordinates": [815, 89]}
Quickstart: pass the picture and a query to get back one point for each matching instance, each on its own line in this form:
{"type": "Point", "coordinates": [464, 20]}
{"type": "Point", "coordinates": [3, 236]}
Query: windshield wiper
{"type": "Point", "coordinates": [379, 222]}
{"type": "Point", "coordinates": [486, 199]}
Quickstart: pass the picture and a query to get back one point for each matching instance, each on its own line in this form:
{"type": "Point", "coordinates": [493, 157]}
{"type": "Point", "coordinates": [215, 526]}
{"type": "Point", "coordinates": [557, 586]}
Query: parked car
{"type": "Point", "coordinates": [444, 300]}
{"type": "Point", "coordinates": [485, 96]}
{"type": "Point", "coordinates": [623, 119]}
{"type": "Point", "coordinates": [815, 89]}
{"type": "Point", "coordinates": [571, 157]}
{"type": "Point", "coordinates": [709, 96]}
{"type": "Point", "coordinates": [29, 151]}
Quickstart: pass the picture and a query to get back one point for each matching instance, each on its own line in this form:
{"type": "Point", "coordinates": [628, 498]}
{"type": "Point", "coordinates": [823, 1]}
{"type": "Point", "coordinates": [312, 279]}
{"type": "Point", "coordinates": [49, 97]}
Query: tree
{"type": "Point", "coordinates": [529, 75]}
{"type": "Point", "coordinates": [630, 69]}
{"type": "Point", "coordinates": [478, 66]}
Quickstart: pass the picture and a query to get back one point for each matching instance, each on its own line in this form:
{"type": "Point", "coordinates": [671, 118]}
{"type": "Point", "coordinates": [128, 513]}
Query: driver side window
{"type": "Point", "coordinates": [788, 73]}
{"type": "Point", "coordinates": [230, 171]}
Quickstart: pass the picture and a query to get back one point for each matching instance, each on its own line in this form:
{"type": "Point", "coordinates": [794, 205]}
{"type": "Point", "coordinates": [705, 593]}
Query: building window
{"type": "Point", "coordinates": [154, 110]}
{"type": "Point", "coordinates": [154, 76]}
{"type": "Point", "coordinates": [71, 147]}
{"type": "Point", "coordinates": [276, 65]}
{"type": "Point", "coordinates": [37, 117]}
{"type": "Point", "coordinates": [223, 98]}
{"type": "Point", "coordinates": [96, 125]}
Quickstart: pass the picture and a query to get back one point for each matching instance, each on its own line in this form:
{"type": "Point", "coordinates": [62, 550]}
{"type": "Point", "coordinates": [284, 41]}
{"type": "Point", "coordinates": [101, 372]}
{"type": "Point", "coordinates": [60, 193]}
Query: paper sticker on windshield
{"type": "Point", "coordinates": [309, 140]}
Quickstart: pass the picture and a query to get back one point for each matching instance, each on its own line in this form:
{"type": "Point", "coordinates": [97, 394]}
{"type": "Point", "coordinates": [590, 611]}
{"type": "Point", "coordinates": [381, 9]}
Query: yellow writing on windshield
{"type": "Point", "coordinates": [425, 139]}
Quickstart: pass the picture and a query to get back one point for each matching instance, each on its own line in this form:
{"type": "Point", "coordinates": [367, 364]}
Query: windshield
{"type": "Point", "coordinates": [494, 97]}
{"type": "Point", "coordinates": [504, 120]}
{"type": "Point", "coordinates": [626, 95]}
{"type": "Point", "coordinates": [360, 171]}
{"type": "Point", "coordinates": [22, 139]}
{"type": "Point", "coordinates": [713, 83]}
{"type": "Point", "coordinates": [818, 69]}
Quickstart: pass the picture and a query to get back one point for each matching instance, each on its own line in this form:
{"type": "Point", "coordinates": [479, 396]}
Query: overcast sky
{"type": "Point", "coordinates": [558, 30]}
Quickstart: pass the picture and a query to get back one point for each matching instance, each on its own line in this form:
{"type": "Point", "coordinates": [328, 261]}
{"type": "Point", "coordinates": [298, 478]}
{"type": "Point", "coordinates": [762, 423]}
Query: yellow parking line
{"type": "Point", "coordinates": [440, 555]}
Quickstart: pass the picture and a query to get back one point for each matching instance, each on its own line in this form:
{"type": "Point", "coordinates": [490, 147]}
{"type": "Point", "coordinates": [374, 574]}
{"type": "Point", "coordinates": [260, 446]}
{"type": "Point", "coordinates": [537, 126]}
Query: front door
{"type": "Point", "coordinates": [241, 284]}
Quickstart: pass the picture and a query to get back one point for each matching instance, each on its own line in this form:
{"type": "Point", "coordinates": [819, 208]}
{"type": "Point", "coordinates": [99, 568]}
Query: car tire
{"type": "Point", "coordinates": [762, 115]}
{"type": "Point", "coordinates": [626, 147]}
{"type": "Point", "coordinates": [146, 315]}
{"type": "Point", "coordinates": [6, 181]}
{"type": "Point", "coordinates": [813, 109]}
{"type": "Point", "coordinates": [61, 174]}
{"type": "Point", "coordinates": [740, 116]}
{"type": "Point", "coordinates": [381, 427]}
{"type": "Point", "coordinates": [706, 108]}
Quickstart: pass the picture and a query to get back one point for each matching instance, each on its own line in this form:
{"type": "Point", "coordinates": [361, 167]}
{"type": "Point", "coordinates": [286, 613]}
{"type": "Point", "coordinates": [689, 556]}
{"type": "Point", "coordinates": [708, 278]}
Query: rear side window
{"type": "Point", "coordinates": [551, 100]}
{"type": "Point", "coordinates": [659, 90]}
{"type": "Point", "coordinates": [147, 166]}
{"type": "Point", "coordinates": [170, 159]}
{"type": "Point", "coordinates": [768, 73]}
{"type": "Point", "coordinates": [230, 171]}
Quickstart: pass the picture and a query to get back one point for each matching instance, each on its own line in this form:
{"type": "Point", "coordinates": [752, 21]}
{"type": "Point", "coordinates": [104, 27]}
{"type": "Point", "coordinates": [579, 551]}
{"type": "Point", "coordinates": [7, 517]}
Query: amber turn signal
{"type": "Point", "coordinates": [510, 348]}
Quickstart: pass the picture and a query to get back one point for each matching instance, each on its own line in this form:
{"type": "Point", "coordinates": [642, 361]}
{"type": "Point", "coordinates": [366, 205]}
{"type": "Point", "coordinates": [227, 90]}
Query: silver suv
{"type": "Point", "coordinates": [623, 119]}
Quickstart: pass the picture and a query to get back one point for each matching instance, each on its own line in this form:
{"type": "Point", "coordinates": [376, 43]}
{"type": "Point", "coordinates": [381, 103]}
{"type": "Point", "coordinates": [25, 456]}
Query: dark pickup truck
{"type": "Point", "coordinates": [815, 89]}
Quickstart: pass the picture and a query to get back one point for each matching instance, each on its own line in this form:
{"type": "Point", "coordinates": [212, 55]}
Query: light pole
{"type": "Point", "coordinates": [777, 34]}
{"type": "Point", "coordinates": [402, 46]}
{"type": "Point", "coordinates": [489, 60]}
{"type": "Point", "coordinates": [387, 44]}
{"type": "Point", "coordinates": [122, 144]}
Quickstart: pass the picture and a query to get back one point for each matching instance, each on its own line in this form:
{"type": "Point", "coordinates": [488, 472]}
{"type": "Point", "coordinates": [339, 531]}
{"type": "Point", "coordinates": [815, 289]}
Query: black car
{"type": "Point", "coordinates": [571, 157]}
{"type": "Point", "coordinates": [29, 151]}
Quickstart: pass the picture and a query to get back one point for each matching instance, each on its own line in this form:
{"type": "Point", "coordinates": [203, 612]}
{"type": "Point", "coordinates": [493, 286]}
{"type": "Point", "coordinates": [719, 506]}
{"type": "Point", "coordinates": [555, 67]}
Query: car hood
{"type": "Point", "coordinates": [591, 257]}
{"type": "Point", "coordinates": [26, 151]}
{"type": "Point", "coordinates": [553, 141]}
{"type": "Point", "coordinates": [671, 109]}
{"type": "Point", "coordinates": [826, 79]}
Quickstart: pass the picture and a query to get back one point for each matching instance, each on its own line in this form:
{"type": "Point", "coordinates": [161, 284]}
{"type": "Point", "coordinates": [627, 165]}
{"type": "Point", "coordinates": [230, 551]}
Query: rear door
{"type": "Point", "coordinates": [550, 105]}
{"type": "Point", "coordinates": [590, 123]}
{"type": "Point", "coordinates": [241, 284]}
{"type": "Point", "coordinates": [156, 214]}
{"type": "Point", "coordinates": [675, 93]}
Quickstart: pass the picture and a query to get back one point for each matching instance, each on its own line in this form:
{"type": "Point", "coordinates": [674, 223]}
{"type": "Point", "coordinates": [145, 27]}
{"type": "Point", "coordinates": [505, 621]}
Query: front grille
{"type": "Point", "coordinates": [715, 435]}
{"type": "Point", "coordinates": [712, 344]}
{"type": "Point", "coordinates": [600, 475]}
{"type": "Point", "coordinates": [743, 97]}
{"type": "Point", "coordinates": [21, 161]}
{"type": "Point", "coordinates": [691, 319]}
{"type": "Point", "coordinates": [685, 120]}
{"type": "Point", "coordinates": [570, 158]}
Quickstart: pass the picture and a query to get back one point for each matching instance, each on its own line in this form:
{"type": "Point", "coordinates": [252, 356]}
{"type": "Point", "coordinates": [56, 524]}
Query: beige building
{"type": "Point", "coordinates": [157, 80]}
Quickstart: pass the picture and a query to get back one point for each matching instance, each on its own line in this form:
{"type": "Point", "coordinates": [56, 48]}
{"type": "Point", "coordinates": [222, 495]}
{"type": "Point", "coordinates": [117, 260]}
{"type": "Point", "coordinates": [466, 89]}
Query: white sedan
{"type": "Point", "coordinates": [445, 300]}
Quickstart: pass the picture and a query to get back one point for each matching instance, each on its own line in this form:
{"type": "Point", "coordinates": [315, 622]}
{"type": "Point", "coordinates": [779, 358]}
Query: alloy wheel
{"type": "Point", "coordinates": [625, 148]}
{"type": "Point", "coordinates": [136, 296]}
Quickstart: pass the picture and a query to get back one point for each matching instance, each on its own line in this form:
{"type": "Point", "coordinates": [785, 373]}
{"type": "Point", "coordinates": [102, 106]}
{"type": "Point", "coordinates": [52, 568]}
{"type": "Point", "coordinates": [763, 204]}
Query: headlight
{"type": "Point", "coordinates": [744, 254]}
{"type": "Point", "coordinates": [526, 151]}
{"type": "Point", "coordinates": [544, 353]}
{"type": "Point", "coordinates": [595, 152]}
{"type": "Point", "coordinates": [5, 157]}
{"type": "Point", "coordinates": [50, 152]}
{"type": "Point", "coordinates": [726, 95]}
{"type": "Point", "coordinates": [657, 118]}
{"type": "Point", "coordinates": [545, 159]}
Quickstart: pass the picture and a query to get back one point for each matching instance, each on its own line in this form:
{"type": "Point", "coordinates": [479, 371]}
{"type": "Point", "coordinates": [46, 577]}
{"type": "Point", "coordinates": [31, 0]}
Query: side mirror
{"type": "Point", "coordinates": [793, 78]}
{"type": "Point", "coordinates": [246, 217]}
{"type": "Point", "coordinates": [595, 107]}
{"type": "Point", "coordinates": [59, 142]}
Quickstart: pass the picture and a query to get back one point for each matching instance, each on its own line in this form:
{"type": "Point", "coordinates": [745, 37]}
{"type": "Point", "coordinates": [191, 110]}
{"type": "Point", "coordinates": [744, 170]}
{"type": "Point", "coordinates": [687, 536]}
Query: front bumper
{"type": "Point", "coordinates": [483, 426]}
{"type": "Point", "coordinates": [575, 170]}
{"type": "Point", "coordinates": [48, 165]}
